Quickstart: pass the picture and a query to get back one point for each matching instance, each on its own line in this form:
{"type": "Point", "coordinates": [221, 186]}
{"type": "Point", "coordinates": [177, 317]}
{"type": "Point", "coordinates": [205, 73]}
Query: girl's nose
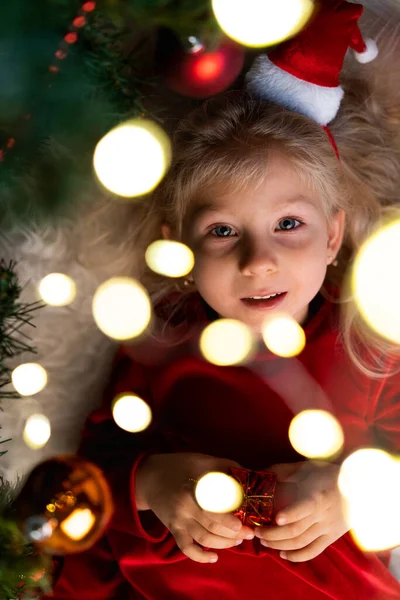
{"type": "Point", "coordinates": [256, 260]}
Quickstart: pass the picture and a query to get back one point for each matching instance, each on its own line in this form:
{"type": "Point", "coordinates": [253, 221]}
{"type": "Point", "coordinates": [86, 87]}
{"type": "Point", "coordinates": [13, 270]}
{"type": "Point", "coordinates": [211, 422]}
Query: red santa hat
{"type": "Point", "coordinates": [302, 74]}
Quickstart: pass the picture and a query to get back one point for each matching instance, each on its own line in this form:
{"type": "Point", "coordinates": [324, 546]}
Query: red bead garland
{"type": "Point", "coordinates": [60, 54]}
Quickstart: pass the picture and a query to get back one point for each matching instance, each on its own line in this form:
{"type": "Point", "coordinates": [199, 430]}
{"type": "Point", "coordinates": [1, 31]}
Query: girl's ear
{"type": "Point", "coordinates": [336, 232]}
{"type": "Point", "coordinates": [166, 231]}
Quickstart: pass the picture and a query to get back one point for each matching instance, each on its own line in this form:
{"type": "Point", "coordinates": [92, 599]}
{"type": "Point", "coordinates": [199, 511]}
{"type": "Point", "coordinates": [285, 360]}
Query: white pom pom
{"type": "Point", "coordinates": [369, 54]}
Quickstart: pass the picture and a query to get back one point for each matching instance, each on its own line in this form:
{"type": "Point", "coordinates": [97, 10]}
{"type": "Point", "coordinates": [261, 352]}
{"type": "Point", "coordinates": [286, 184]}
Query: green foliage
{"type": "Point", "coordinates": [13, 315]}
{"type": "Point", "coordinates": [56, 119]}
{"type": "Point", "coordinates": [185, 17]}
{"type": "Point", "coordinates": [69, 111]}
{"type": "Point", "coordinates": [3, 452]}
{"type": "Point", "coordinates": [19, 560]}
{"type": "Point", "coordinates": [20, 563]}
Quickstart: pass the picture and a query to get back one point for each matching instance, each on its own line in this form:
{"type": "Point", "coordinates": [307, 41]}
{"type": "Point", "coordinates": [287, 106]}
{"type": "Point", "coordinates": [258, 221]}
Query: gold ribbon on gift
{"type": "Point", "coordinates": [252, 504]}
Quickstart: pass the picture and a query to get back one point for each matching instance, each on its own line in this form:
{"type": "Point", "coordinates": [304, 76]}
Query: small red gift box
{"type": "Point", "coordinates": [258, 496]}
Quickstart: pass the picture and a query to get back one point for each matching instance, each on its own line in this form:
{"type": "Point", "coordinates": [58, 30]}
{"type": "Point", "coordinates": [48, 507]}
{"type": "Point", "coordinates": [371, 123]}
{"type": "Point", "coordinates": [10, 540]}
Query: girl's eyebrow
{"type": "Point", "coordinates": [206, 207]}
{"type": "Point", "coordinates": [202, 209]}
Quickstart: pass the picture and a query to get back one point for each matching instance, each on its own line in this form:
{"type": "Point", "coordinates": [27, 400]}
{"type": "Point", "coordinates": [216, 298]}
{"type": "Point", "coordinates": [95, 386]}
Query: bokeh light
{"type": "Point", "coordinates": [316, 434]}
{"type": "Point", "coordinates": [29, 379]}
{"type": "Point", "coordinates": [121, 308]}
{"type": "Point", "coordinates": [37, 528]}
{"type": "Point", "coordinates": [375, 284]}
{"type": "Point", "coordinates": [169, 258]}
{"type": "Point", "coordinates": [132, 159]}
{"type": "Point", "coordinates": [57, 289]}
{"type": "Point", "coordinates": [78, 524]}
{"type": "Point", "coordinates": [37, 431]}
{"type": "Point", "coordinates": [370, 478]}
{"type": "Point", "coordinates": [260, 23]}
{"type": "Point", "coordinates": [284, 336]}
{"type": "Point", "coordinates": [218, 493]}
{"type": "Point", "coordinates": [131, 413]}
{"type": "Point", "coordinates": [226, 342]}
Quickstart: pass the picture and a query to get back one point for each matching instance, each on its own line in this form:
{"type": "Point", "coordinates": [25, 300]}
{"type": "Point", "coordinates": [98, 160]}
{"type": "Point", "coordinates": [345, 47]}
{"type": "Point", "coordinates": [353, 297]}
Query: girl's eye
{"type": "Point", "coordinates": [287, 224]}
{"type": "Point", "coordinates": [222, 231]}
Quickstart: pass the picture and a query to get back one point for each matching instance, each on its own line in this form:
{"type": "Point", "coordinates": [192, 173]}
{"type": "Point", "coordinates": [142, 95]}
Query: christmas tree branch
{"type": "Point", "coordinates": [3, 442]}
{"type": "Point", "coordinates": [13, 316]}
{"type": "Point", "coordinates": [77, 81]}
{"type": "Point", "coordinates": [23, 570]}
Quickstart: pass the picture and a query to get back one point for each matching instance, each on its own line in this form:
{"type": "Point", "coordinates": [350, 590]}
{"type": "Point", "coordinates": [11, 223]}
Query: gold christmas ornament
{"type": "Point", "coordinates": [65, 505]}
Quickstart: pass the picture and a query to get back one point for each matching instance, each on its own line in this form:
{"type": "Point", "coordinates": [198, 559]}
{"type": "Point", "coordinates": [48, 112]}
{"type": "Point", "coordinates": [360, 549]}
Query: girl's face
{"type": "Point", "coordinates": [273, 239]}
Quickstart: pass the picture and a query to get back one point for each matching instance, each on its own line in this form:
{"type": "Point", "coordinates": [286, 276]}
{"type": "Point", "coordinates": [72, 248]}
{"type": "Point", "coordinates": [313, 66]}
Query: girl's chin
{"type": "Point", "coordinates": [258, 326]}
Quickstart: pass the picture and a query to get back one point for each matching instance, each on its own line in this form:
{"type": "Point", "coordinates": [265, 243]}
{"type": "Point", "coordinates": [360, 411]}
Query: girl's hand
{"type": "Point", "coordinates": [315, 520]}
{"type": "Point", "coordinates": [163, 485]}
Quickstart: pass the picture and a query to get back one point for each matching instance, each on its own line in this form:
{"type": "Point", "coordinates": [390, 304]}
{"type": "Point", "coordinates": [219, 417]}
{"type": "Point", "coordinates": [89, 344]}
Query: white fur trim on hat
{"type": "Point", "coordinates": [369, 54]}
{"type": "Point", "coordinates": [317, 102]}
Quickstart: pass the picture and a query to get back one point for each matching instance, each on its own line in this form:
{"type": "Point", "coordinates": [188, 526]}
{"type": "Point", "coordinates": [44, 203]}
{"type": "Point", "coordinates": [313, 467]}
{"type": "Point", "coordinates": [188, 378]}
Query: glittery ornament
{"type": "Point", "coordinates": [65, 505]}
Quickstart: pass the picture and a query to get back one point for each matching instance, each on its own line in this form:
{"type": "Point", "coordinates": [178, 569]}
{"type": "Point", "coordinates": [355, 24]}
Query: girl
{"type": "Point", "coordinates": [273, 211]}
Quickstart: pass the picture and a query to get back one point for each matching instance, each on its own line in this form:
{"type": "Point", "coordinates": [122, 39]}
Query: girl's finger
{"type": "Point", "coordinates": [295, 543]}
{"type": "Point", "coordinates": [298, 510]}
{"type": "Point", "coordinates": [309, 552]}
{"type": "Point", "coordinates": [286, 532]}
{"type": "Point", "coordinates": [191, 550]}
{"type": "Point", "coordinates": [285, 471]}
{"type": "Point", "coordinates": [209, 540]}
{"type": "Point", "coordinates": [225, 525]}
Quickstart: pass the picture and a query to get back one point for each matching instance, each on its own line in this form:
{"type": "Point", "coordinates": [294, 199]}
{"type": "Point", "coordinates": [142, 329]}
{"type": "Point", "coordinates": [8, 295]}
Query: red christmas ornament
{"type": "Point", "coordinates": [65, 505]}
{"type": "Point", "coordinates": [199, 74]}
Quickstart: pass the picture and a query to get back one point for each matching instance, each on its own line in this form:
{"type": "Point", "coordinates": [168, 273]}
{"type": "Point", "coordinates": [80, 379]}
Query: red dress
{"type": "Point", "coordinates": [241, 413]}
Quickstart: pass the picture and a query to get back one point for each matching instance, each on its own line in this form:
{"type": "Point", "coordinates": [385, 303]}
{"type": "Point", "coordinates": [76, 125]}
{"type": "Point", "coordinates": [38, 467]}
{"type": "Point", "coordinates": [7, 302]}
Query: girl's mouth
{"type": "Point", "coordinates": [264, 302]}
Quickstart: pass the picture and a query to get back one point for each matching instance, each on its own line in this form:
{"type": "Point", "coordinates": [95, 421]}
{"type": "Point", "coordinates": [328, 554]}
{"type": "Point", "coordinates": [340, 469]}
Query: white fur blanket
{"type": "Point", "coordinates": [95, 245]}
